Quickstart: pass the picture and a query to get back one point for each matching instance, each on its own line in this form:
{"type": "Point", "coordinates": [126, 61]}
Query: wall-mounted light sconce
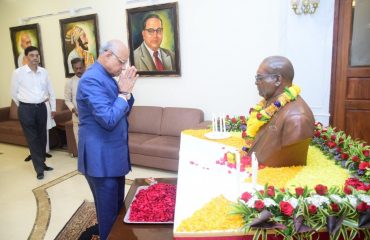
{"type": "Point", "coordinates": [305, 6]}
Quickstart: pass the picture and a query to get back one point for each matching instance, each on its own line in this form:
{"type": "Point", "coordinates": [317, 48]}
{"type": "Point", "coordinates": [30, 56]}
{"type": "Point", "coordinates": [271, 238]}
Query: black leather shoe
{"type": "Point", "coordinates": [48, 155]}
{"type": "Point", "coordinates": [40, 176]}
{"type": "Point", "coordinates": [46, 168]}
{"type": "Point", "coordinates": [28, 158]}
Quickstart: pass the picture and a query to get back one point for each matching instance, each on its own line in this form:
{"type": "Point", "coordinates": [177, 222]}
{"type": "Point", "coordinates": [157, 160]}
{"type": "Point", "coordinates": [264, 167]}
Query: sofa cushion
{"type": "Point", "coordinates": [11, 127]}
{"type": "Point", "coordinates": [161, 146]}
{"type": "Point", "coordinates": [145, 119]}
{"type": "Point", "coordinates": [13, 113]}
{"type": "Point", "coordinates": [136, 139]}
{"type": "Point", "coordinates": [175, 120]}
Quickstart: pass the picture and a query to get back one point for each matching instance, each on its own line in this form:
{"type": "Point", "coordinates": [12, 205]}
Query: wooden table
{"type": "Point", "coordinates": [122, 230]}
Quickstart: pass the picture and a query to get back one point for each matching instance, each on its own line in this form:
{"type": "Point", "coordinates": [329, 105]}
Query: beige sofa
{"type": "Point", "coordinates": [11, 130]}
{"type": "Point", "coordinates": [154, 134]}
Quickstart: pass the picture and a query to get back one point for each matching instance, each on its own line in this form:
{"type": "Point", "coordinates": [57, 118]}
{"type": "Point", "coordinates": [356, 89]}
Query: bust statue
{"type": "Point", "coordinates": [283, 140]}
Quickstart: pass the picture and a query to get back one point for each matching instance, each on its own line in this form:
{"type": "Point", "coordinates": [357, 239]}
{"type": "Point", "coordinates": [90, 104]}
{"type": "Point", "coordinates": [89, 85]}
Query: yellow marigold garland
{"type": "Point", "coordinates": [260, 114]}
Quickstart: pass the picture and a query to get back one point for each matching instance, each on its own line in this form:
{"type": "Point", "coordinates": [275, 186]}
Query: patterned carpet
{"type": "Point", "coordinates": [82, 224]}
{"type": "Point", "coordinates": [82, 219]}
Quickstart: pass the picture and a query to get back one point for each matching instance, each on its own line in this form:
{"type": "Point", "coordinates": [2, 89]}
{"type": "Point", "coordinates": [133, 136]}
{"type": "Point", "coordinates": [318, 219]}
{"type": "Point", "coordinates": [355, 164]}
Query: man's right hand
{"type": "Point", "coordinates": [127, 80]}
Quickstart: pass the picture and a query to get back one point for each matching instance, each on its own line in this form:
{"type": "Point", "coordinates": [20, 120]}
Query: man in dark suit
{"type": "Point", "coordinates": [103, 106]}
{"type": "Point", "coordinates": [149, 56]}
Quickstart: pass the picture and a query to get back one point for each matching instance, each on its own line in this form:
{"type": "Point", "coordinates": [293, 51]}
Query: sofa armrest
{"type": "Point", "coordinates": [4, 113]}
{"type": "Point", "coordinates": [204, 125]}
{"type": "Point", "coordinates": [62, 116]}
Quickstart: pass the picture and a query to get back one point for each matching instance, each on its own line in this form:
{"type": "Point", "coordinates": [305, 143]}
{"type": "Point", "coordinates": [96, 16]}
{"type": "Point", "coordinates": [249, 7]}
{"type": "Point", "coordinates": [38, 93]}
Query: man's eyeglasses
{"type": "Point", "coordinates": [152, 30]}
{"type": "Point", "coordinates": [123, 62]}
{"type": "Point", "coordinates": [260, 77]}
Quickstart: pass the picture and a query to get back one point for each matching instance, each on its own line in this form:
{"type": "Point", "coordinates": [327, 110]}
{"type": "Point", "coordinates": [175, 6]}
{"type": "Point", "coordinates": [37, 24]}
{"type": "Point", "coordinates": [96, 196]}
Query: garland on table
{"type": "Point", "coordinates": [260, 115]}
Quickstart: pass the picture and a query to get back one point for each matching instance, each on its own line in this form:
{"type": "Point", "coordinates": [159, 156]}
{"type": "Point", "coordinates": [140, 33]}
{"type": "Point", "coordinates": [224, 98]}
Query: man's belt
{"type": "Point", "coordinates": [32, 104]}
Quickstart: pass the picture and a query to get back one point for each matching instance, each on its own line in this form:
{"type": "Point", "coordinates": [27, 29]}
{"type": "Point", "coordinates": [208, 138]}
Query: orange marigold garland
{"type": "Point", "coordinates": [260, 114]}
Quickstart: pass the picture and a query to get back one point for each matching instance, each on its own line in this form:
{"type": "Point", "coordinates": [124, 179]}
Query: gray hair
{"type": "Point", "coordinates": [108, 46]}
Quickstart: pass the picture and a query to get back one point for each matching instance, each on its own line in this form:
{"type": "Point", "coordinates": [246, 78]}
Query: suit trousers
{"type": "Point", "coordinates": [33, 121]}
{"type": "Point", "coordinates": [108, 195]}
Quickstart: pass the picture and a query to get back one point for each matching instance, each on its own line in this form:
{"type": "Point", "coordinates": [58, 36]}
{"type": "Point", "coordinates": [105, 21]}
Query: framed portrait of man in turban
{"type": "Point", "coordinates": [23, 37]}
{"type": "Point", "coordinates": [153, 39]}
{"type": "Point", "coordinates": [80, 39]}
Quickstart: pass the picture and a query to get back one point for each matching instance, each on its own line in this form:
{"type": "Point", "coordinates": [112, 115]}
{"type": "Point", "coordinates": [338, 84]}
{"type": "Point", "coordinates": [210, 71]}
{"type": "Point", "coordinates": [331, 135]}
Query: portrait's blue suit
{"type": "Point", "coordinates": [103, 155]}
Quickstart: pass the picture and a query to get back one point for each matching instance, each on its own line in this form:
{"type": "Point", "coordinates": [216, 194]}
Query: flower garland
{"type": "Point", "coordinates": [260, 115]}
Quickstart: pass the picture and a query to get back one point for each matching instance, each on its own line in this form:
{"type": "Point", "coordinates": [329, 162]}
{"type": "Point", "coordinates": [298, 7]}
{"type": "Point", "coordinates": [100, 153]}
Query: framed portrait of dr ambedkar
{"type": "Point", "coordinates": [23, 37]}
{"type": "Point", "coordinates": [153, 39]}
{"type": "Point", "coordinates": [80, 39]}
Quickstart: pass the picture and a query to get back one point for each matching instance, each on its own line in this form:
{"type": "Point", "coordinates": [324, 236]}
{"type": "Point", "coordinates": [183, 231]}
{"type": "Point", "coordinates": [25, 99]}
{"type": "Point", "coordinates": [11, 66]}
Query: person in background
{"type": "Point", "coordinates": [149, 56]}
{"type": "Point", "coordinates": [30, 88]}
{"type": "Point", "coordinates": [103, 107]}
{"type": "Point", "coordinates": [70, 91]}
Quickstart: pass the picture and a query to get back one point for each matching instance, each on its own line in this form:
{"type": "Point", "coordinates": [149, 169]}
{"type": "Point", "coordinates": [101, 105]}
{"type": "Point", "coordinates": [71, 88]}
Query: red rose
{"type": "Point", "coordinates": [362, 207]}
{"type": "Point", "coordinates": [344, 156]}
{"type": "Point", "coordinates": [312, 209]}
{"type": "Point", "coordinates": [246, 196]}
{"type": "Point", "coordinates": [331, 144]}
{"type": "Point", "coordinates": [233, 120]}
{"type": "Point", "coordinates": [339, 149]}
{"type": "Point", "coordinates": [259, 116]}
{"type": "Point", "coordinates": [366, 153]}
{"type": "Point", "coordinates": [347, 190]}
{"type": "Point", "coordinates": [282, 190]}
{"type": "Point", "coordinates": [262, 192]}
{"type": "Point", "coordinates": [317, 134]}
{"type": "Point", "coordinates": [324, 137]}
{"type": "Point", "coordinates": [334, 207]}
{"type": "Point", "coordinates": [242, 118]}
{"type": "Point", "coordinates": [362, 187]}
{"type": "Point", "coordinates": [363, 165]}
{"type": "Point", "coordinates": [321, 189]}
{"type": "Point", "coordinates": [271, 191]}
{"type": "Point", "coordinates": [299, 191]}
{"type": "Point", "coordinates": [286, 208]}
{"type": "Point", "coordinates": [244, 134]}
{"type": "Point", "coordinates": [259, 205]}
{"type": "Point", "coordinates": [333, 137]}
{"type": "Point", "coordinates": [355, 159]}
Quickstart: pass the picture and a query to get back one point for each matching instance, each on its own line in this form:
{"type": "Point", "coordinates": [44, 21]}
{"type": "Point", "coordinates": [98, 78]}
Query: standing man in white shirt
{"type": "Point", "coordinates": [70, 91]}
{"type": "Point", "coordinates": [30, 90]}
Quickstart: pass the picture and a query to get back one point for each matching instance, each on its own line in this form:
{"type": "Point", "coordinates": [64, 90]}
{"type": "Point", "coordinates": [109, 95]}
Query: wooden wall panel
{"type": "Point", "coordinates": [358, 88]}
{"type": "Point", "coordinates": [356, 126]}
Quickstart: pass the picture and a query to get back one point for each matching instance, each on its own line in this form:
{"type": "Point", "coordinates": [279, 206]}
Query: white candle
{"type": "Point", "coordinates": [213, 123]}
{"type": "Point", "coordinates": [224, 122]}
{"type": "Point", "coordinates": [254, 169]}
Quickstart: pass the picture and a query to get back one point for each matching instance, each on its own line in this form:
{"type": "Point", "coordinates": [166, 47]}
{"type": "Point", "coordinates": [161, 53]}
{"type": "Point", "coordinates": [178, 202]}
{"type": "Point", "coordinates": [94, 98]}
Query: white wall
{"type": "Point", "coordinates": [221, 44]}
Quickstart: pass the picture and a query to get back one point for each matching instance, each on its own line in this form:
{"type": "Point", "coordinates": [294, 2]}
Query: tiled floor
{"type": "Point", "coordinates": [38, 209]}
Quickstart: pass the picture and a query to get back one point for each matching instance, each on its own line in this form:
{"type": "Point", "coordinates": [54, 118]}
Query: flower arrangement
{"type": "Point", "coordinates": [236, 124]}
{"type": "Point", "coordinates": [298, 214]}
{"type": "Point", "coordinates": [154, 204]}
{"type": "Point", "coordinates": [347, 152]}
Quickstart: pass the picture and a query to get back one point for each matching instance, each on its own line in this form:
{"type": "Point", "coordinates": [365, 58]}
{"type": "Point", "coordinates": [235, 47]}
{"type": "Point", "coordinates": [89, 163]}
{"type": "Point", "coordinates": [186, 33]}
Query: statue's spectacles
{"type": "Point", "coordinates": [260, 77]}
